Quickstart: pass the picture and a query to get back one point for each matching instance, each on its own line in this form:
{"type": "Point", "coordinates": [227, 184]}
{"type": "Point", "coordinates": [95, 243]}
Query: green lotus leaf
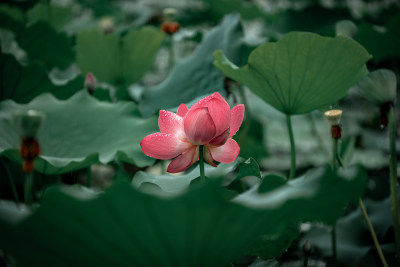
{"type": "Point", "coordinates": [174, 184]}
{"type": "Point", "coordinates": [248, 167]}
{"type": "Point", "coordinates": [199, 227]}
{"type": "Point", "coordinates": [78, 132]}
{"type": "Point", "coordinates": [379, 86]}
{"type": "Point", "coordinates": [118, 60]}
{"type": "Point", "coordinates": [271, 246]}
{"type": "Point", "coordinates": [216, 9]}
{"type": "Point", "coordinates": [11, 18]}
{"type": "Point", "coordinates": [353, 236]}
{"type": "Point", "coordinates": [44, 44]}
{"type": "Point", "coordinates": [56, 16]}
{"type": "Point", "coordinates": [23, 83]}
{"type": "Point", "coordinates": [381, 41]}
{"type": "Point", "coordinates": [301, 72]}
{"type": "Point", "coordinates": [195, 75]}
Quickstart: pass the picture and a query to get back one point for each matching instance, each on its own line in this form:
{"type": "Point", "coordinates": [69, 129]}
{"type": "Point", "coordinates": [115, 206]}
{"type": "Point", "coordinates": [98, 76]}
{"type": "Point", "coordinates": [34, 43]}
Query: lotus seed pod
{"type": "Point", "coordinates": [28, 122]}
{"type": "Point", "coordinates": [107, 25]}
{"type": "Point", "coordinates": [169, 14]}
{"type": "Point", "coordinates": [346, 28]}
{"type": "Point", "coordinates": [333, 116]}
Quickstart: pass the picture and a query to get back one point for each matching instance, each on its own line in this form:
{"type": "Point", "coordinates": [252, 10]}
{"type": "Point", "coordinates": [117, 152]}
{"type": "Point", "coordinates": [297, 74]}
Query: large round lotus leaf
{"type": "Point", "coordinates": [379, 86]}
{"type": "Point", "coordinates": [23, 83]}
{"type": "Point", "coordinates": [353, 237]}
{"type": "Point", "coordinates": [116, 59]}
{"type": "Point", "coordinates": [199, 227]}
{"type": "Point", "coordinates": [56, 16]}
{"type": "Point", "coordinates": [45, 45]}
{"type": "Point", "coordinates": [301, 72]}
{"type": "Point", "coordinates": [78, 132]}
{"type": "Point", "coordinates": [195, 76]}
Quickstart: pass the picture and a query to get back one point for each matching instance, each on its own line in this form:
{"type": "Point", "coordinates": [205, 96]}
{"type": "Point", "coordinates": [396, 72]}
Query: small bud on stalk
{"type": "Point", "coordinates": [334, 117]}
{"type": "Point", "coordinates": [27, 124]}
{"type": "Point", "coordinates": [170, 26]}
{"type": "Point", "coordinates": [107, 25]}
{"type": "Point", "coordinates": [384, 109]}
{"type": "Point", "coordinates": [90, 83]}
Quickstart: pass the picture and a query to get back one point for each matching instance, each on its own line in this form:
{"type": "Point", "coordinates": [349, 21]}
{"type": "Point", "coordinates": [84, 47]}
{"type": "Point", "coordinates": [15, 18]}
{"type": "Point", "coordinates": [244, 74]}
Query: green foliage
{"type": "Point", "coordinates": [11, 18]}
{"type": "Point", "coordinates": [56, 16]}
{"type": "Point", "coordinates": [23, 83]}
{"type": "Point", "coordinates": [353, 237]}
{"type": "Point", "coordinates": [218, 8]}
{"type": "Point", "coordinates": [248, 168]}
{"type": "Point", "coordinates": [301, 72]}
{"type": "Point", "coordinates": [250, 138]}
{"type": "Point", "coordinates": [195, 76]}
{"type": "Point", "coordinates": [271, 246]}
{"type": "Point", "coordinates": [381, 42]}
{"type": "Point", "coordinates": [199, 227]}
{"type": "Point", "coordinates": [44, 44]}
{"type": "Point", "coordinates": [118, 60]}
{"type": "Point", "coordinates": [78, 132]}
{"type": "Point", "coordinates": [173, 184]}
{"type": "Point", "coordinates": [271, 182]}
{"type": "Point", "coordinates": [379, 86]}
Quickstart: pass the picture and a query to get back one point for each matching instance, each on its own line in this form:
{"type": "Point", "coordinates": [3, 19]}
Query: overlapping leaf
{"type": "Point", "coordinates": [23, 83]}
{"type": "Point", "coordinates": [196, 76]}
{"type": "Point", "coordinates": [379, 86]}
{"type": "Point", "coordinates": [201, 227]}
{"type": "Point", "coordinates": [353, 237]}
{"type": "Point", "coordinates": [118, 60]}
{"type": "Point", "coordinates": [78, 132]}
{"type": "Point", "coordinates": [381, 42]}
{"type": "Point", "coordinates": [56, 16]}
{"type": "Point", "coordinates": [301, 72]}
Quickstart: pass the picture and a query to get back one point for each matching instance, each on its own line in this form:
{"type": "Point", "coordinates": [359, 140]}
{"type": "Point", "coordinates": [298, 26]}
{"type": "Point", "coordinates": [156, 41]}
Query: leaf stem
{"type": "Point", "coordinates": [13, 187]}
{"type": "Point", "coordinates": [372, 231]}
{"type": "Point", "coordinates": [28, 188]}
{"type": "Point", "coordinates": [333, 232]}
{"type": "Point", "coordinates": [292, 148]}
{"type": "Point", "coordinates": [171, 54]}
{"type": "Point", "coordinates": [201, 164]}
{"type": "Point", "coordinates": [335, 155]}
{"type": "Point", "coordinates": [334, 248]}
{"type": "Point", "coordinates": [393, 180]}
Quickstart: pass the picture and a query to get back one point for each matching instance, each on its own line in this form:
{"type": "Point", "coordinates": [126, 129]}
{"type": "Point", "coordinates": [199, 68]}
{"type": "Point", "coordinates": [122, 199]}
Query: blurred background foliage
{"type": "Point", "coordinates": [47, 49]}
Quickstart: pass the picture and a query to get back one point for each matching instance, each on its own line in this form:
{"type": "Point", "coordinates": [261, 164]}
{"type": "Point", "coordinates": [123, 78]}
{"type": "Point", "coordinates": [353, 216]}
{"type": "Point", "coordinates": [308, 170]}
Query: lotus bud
{"type": "Point", "coordinates": [90, 83]}
{"type": "Point", "coordinates": [28, 122]}
{"type": "Point", "coordinates": [307, 248]}
{"type": "Point", "coordinates": [107, 25]}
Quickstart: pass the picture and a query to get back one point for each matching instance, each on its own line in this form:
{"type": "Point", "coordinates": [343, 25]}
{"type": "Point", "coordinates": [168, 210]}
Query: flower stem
{"type": "Point", "coordinates": [333, 232]}
{"type": "Point", "coordinates": [335, 155]}
{"type": "Point", "coordinates": [28, 188]}
{"type": "Point", "coordinates": [334, 248]}
{"type": "Point", "coordinates": [171, 54]}
{"type": "Point", "coordinates": [373, 235]}
{"type": "Point", "coordinates": [393, 180]}
{"type": "Point", "coordinates": [201, 164]}
{"type": "Point", "coordinates": [13, 187]}
{"type": "Point", "coordinates": [292, 148]}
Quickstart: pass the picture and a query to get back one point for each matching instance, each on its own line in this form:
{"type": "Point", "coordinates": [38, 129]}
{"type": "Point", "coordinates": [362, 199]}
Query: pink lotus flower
{"type": "Point", "coordinates": [209, 122]}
